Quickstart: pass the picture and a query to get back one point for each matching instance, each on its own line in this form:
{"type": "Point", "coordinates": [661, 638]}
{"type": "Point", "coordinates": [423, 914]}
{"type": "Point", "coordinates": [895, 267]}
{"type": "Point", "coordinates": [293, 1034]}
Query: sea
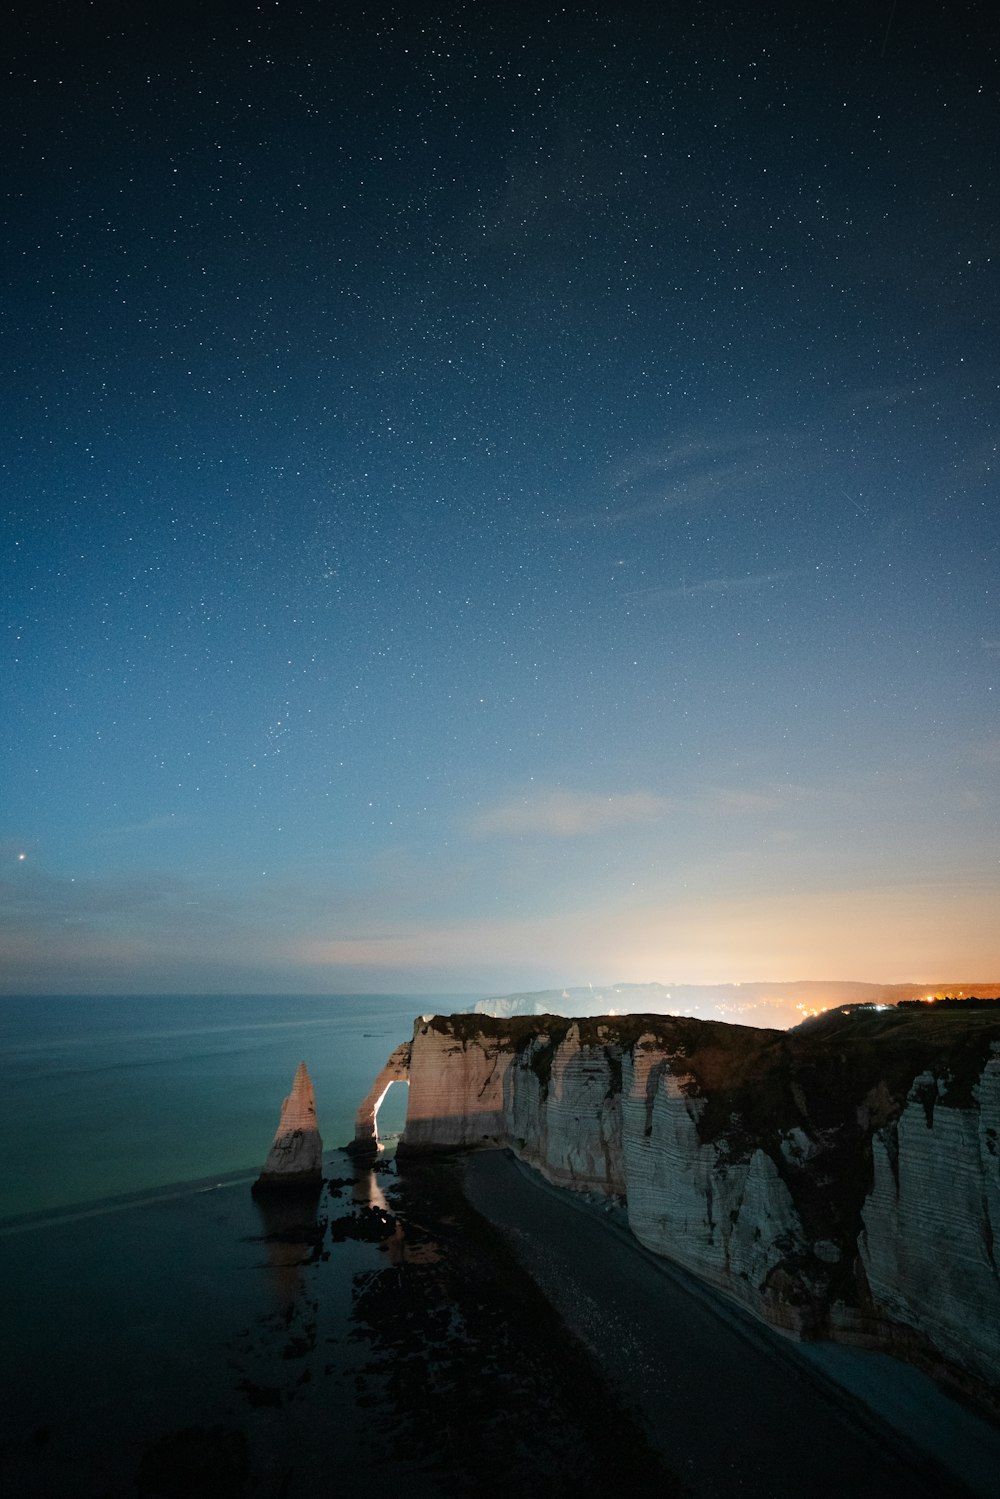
{"type": "Point", "coordinates": [126, 1097]}
{"type": "Point", "coordinates": [163, 1333]}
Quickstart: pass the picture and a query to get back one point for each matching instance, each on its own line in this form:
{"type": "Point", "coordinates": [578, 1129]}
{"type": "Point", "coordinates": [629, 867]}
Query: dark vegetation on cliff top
{"type": "Point", "coordinates": [847, 1071]}
{"type": "Point", "coordinates": [836, 1059]}
{"type": "Point", "coordinates": [835, 1080]}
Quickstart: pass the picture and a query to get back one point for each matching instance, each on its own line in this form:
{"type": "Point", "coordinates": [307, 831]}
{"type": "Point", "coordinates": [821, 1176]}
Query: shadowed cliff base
{"type": "Point", "coordinates": [487, 1390]}
{"type": "Point", "coordinates": [739, 1409]}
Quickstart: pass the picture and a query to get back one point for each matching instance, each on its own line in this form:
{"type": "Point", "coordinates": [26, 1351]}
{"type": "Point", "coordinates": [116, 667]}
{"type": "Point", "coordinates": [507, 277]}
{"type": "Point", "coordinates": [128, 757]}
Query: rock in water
{"type": "Point", "coordinates": [296, 1155]}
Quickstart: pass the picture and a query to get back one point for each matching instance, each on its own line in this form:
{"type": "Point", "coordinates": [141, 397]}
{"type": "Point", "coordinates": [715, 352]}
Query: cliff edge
{"type": "Point", "coordinates": [840, 1180]}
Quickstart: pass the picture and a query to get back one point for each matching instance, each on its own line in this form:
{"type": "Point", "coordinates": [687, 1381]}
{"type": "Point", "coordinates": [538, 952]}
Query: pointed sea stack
{"type": "Point", "coordinates": [295, 1160]}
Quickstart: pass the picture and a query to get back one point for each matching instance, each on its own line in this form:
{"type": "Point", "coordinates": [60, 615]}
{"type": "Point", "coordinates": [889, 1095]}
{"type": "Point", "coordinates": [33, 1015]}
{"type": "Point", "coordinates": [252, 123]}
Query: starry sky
{"type": "Point", "coordinates": [497, 497]}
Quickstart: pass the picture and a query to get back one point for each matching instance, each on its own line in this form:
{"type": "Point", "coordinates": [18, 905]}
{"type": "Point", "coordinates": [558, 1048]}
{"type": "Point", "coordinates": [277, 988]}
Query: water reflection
{"type": "Point", "coordinates": [293, 1234]}
{"type": "Point", "coordinates": [366, 1191]}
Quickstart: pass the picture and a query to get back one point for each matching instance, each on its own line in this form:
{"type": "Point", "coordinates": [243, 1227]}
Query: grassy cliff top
{"type": "Point", "coordinates": [812, 1074]}
{"type": "Point", "coordinates": [857, 1028]}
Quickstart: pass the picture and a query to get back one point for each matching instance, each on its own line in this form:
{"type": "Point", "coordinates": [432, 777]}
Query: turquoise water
{"type": "Point", "coordinates": [143, 1290]}
{"type": "Point", "coordinates": [123, 1095]}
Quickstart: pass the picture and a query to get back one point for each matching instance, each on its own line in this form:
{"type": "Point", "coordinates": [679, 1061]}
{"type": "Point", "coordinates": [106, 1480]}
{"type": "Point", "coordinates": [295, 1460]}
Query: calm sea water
{"type": "Point", "coordinates": [168, 1336]}
{"type": "Point", "coordinates": [143, 1291]}
{"type": "Point", "coordinates": [111, 1096]}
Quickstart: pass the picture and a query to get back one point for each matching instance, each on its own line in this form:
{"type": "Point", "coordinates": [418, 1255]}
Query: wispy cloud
{"type": "Point", "coordinates": [739, 583]}
{"type": "Point", "coordinates": [689, 454]}
{"type": "Point", "coordinates": [157, 824]}
{"type": "Point", "coordinates": [692, 469]}
{"type": "Point", "coordinates": [35, 896]}
{"type": "Point", "coordinates": [984, 751]}
{"type": "Point", "coordinates": [568, 814]}
{"type": "Point", "coordinates": [879, 397]}
{"type": "Point", "coordinates": [561, 813]}
{"type": "Point", "coordinates": [733, 801]}
{"type": "Point", "coordinates": [899, 932]}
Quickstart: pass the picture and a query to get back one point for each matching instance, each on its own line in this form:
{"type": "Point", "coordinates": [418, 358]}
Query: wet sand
{"type": "Point", "coordinates": [377, 1336]}
{"type": "Point", "coordinates": [736, 1409]}
{"type": "Point", "coordinates": [450, 1329]}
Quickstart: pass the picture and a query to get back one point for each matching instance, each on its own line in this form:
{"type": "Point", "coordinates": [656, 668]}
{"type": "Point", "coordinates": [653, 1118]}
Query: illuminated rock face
{"type": "Point", "coordinates": [396, 1070]}
{"type": "Point", "coordinates": [296, 1155]}
{"type": "Point", "coordinates": [843, 1182]}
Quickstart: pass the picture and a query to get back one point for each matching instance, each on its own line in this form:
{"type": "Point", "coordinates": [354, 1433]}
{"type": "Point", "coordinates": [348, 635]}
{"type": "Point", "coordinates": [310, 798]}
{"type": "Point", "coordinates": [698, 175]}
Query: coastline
{"type": "Point", "coordinates": [739, 1409]}
{"type": "Point", "coordinates": [455, 1327]}
{"type": "Point", "coordinates": [384, 1334]}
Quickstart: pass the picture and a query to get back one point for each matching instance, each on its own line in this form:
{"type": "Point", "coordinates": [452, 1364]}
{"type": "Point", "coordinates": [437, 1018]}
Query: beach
{"type": "Point", "coordinates": [378, 1334]}
{"type": "Point", "coordinates": [456, 1327]}
{"type": "Point", "coordinates": [739, 1409]}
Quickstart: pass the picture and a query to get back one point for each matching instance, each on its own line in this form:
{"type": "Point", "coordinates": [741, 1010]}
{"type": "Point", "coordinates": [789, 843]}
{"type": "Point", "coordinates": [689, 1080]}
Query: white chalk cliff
{"type": "Point", "coordinates": [396, 1070]}
{"type": "Point", "coordinates": [839, 1182]}
{"type": "Point", "coordinates": [296, 1155]}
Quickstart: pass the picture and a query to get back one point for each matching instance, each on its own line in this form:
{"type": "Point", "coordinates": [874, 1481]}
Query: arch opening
{"type": "Point", "coordinates": [389, 1119]}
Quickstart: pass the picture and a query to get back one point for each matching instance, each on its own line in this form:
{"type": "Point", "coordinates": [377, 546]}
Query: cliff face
{"type": "Point", "coordinates": [839, 1181]}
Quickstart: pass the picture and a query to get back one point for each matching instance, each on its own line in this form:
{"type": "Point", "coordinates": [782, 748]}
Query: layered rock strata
{"type": "Point", "coordinates": [840, 1180]}
{"type": "Point", "coordinates": [295, 1159]}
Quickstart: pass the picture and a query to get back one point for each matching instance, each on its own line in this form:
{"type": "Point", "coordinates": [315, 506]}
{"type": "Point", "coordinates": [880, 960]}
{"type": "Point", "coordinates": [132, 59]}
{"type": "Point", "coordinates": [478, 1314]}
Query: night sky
{"type": "Point", "coordinates": [499, 496]}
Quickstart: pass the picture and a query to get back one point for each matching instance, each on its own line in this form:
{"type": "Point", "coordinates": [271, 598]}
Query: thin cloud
{"type": "Point", "coordinates": [568, 814]}
{"type": "Point", "coordinates": [881, 396]}
{"type": "Point", "coordinates": [740, 583]}
{"type": "Point", "coordinates": [984, 751]}
{"type": "Point", "coordinates": [654, 490]}
{"type": "Point", "coordinates": [699, 455]}
{"type": "Point", "coordinates": [733, 801]}
{"type": "Point", "coordinates": [157, 824]}
{"type": "Point", "coordinates": [574, 814]}
{"type": "Point", "coordinates": [692, 470]}
{"type": "Point", "coordinates": [36, 894]}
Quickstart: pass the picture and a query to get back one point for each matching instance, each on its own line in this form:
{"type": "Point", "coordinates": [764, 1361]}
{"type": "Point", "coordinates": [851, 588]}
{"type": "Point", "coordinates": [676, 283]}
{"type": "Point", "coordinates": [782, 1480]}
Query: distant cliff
{"type": "Point", "coordinates": [840, 1180]}
{"type": "Point", "coordinates": [777, 1004]}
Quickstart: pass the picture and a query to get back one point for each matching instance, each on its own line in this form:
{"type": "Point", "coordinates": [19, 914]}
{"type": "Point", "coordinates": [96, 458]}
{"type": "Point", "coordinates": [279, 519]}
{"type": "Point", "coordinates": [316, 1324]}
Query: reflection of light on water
{"type": "Point", "coordinates": [290, 1231]}
{"type": "Point", "coordinates": [367, 1193]}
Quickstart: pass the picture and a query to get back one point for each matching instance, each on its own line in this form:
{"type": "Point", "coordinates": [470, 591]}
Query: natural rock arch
{"type": "Point", "coordinates": [396, 1070]}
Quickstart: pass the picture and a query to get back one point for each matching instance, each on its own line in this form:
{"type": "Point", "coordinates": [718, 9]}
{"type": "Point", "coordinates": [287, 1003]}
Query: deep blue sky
{"type": "Point", "coordinates": [499, 500]}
